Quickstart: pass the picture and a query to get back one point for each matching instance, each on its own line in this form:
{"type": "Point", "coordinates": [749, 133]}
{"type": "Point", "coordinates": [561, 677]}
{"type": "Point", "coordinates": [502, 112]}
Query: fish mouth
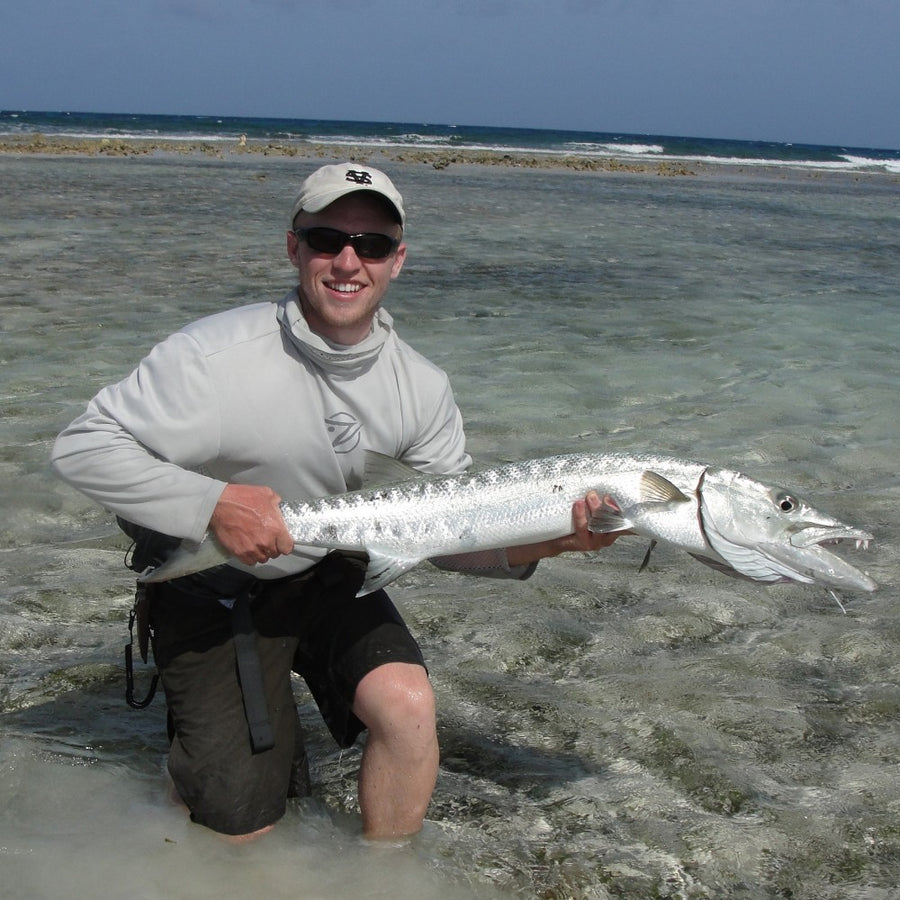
{"type": "Point", "coordinates": [811, 562]}
{"type": "Point", "coordinates": [829, 535]}
{"type": "Point", "coordinates": [801, 556]}
{"type": "Point", "coordinates": [836, 570]}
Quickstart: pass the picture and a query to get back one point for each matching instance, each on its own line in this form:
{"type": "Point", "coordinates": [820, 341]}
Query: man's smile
{"type": "Point", "coordinates": [343, 287]}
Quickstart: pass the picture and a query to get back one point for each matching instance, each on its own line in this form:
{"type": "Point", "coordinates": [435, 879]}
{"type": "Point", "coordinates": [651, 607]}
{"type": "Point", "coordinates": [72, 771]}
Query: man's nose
{"type": "Point", "coordinates": [347, 259]}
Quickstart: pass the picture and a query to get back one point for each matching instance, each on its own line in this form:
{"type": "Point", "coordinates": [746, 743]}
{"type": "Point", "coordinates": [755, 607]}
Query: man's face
{"type": "Point", "coordinates": [340, 292]}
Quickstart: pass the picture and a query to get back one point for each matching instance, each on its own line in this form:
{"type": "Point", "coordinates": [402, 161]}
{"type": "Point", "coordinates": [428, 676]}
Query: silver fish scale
{"type": "Point", "coordinates": [725, 519]}
{"type": "Point", "coordinates": [520, 502]}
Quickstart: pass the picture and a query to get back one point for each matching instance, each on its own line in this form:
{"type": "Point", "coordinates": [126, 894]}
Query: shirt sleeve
{"type": "Point", "coordinates": [486, 563]}
{"type": "Point", "coordinates": [139, 448]}
{"type": "Point", "coordinates": [439, 447]}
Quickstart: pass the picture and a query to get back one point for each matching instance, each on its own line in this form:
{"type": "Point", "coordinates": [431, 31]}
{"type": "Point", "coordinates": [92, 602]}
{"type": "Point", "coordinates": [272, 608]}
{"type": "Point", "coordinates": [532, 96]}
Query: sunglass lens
{"type": "Point", "coordinates": [329, 240]}
{"type": "Point", "coordinates": [325, 240]}
{"type": "Point", "coordinates": [372, 246]}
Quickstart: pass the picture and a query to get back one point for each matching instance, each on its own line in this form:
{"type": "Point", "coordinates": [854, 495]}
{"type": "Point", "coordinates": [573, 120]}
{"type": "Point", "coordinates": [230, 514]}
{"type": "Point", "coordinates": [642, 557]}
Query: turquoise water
{"type": "Point", "coordinates": [605, 733]}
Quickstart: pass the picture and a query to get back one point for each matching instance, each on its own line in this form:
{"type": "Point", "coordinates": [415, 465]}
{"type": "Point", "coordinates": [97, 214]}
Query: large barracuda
{"type": "Point", "coordinates": [722, 518]}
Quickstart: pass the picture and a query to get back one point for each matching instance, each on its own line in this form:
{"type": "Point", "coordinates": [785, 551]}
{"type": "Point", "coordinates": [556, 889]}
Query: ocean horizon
{"type": "Point", "coordinates": [438, 136]}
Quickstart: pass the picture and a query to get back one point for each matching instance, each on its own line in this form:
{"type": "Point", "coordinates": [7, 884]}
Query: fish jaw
{"type": "Point", "coordinates": [769, 534]}
{"type": "Point", "coordinates": [806, 551]}
{"type": "Point", "coordinates": [829, 531]}
{"type": "Point", "coordinates": [816, 565]}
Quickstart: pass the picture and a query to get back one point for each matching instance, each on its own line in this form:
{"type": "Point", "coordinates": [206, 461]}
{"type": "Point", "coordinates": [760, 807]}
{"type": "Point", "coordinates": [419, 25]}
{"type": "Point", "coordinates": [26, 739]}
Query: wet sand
{"type": "Point", "coordinates": [50, 145]}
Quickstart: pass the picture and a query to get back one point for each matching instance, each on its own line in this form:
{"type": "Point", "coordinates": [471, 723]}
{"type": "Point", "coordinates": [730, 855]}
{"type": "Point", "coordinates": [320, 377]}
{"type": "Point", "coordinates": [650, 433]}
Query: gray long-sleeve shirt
{"type": "Point", "coordinates": [252, 396]}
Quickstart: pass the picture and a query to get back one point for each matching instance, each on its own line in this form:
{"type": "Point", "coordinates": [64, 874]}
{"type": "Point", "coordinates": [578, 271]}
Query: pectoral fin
{"type": "Point", "coordinates": [607, 519]}
{"type": "Point", "coordinates": [383, 471]}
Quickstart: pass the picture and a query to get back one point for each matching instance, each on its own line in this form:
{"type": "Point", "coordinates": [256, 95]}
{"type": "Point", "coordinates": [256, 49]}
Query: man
{"type": "Point", "coordinates": [216, 424]}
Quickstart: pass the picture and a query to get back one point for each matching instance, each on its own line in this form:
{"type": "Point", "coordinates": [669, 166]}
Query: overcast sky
{"type": "Point", "coordinates": [805, 71]}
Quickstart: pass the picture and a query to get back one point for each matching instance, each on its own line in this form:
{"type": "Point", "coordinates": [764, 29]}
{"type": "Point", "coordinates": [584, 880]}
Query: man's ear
{"type": "Point", "coordinates": [293, 248]}
{"type": "Point", "coordinates": [399, 259]}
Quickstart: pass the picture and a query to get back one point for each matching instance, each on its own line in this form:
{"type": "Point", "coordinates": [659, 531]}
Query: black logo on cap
{"type": "Point", "coordinates": [359, 177]}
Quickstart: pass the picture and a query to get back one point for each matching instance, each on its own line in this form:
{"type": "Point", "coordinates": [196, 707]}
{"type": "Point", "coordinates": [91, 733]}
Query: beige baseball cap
{"type": "Point", "coordinates": [330, 183]}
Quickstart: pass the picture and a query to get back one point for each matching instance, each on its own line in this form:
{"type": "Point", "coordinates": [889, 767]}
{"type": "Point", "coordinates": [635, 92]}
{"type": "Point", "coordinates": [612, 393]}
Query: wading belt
{"type": "Point", "coordinates": [253, 691]}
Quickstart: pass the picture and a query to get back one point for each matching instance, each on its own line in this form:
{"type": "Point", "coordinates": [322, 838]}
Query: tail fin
{"type": "Point", "coordinates": [186, 559]}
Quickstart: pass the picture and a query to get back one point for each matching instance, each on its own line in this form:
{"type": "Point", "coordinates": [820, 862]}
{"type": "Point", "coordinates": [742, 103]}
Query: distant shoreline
{"type": "Point", "coordinates": [53, 145]}
{"type": "Point", "coordinates": [38, 144]}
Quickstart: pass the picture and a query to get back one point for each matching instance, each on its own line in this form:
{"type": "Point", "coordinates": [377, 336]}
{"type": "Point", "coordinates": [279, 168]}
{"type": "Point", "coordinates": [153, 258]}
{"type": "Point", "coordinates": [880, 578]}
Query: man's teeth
{"type": "Point", "coordinates": [346, 288]}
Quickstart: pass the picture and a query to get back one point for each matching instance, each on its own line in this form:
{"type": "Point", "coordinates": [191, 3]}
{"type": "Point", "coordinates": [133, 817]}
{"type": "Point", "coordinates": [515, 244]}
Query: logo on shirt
{"type": "Point", "coordinates": [345, 431]}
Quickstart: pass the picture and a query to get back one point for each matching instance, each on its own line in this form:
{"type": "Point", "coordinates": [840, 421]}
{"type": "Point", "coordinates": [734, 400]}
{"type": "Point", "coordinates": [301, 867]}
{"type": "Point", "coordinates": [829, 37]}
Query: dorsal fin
{"type": "Point", "coordinates": [656, 489]}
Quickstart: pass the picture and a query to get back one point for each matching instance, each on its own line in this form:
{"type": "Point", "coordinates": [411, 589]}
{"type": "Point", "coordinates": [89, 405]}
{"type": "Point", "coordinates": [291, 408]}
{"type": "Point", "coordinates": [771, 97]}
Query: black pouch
{"type": "Point", "coordinates": [150, 548]}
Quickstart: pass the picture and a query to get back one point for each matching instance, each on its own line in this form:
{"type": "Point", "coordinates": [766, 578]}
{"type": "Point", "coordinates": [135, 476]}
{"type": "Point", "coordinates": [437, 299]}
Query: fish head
{"type": "Point", "coordinates": [768, 533]}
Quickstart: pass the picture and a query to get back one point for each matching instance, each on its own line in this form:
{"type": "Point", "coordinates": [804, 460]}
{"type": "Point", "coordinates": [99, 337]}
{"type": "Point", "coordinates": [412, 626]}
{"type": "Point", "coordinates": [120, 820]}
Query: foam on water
{"type": "Point", "coordinates": [604, 732]}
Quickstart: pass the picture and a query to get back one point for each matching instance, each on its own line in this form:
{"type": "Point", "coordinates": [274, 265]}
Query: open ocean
{"type": "Point", "coordinates": [605, 733]}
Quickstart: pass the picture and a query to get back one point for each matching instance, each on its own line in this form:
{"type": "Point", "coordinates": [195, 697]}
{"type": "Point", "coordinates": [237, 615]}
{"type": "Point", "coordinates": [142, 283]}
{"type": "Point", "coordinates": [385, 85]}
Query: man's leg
{"type": "Point", "coordinates": [366, 672]}
{"type": "Point", "coordinates": [400, 760]}
{"type": "Point", "coordinates": [226, 785]}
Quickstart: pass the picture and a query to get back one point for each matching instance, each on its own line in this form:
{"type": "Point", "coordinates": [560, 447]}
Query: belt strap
{"type": "Point", "coordinates": [250, 673]}
{"type": "Point", "coordinates": [140, 614]}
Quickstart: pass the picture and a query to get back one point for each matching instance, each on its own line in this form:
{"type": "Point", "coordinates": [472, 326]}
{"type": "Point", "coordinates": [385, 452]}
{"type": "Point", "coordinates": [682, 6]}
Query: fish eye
{"type": "Point", "coordinates": [786, 503]}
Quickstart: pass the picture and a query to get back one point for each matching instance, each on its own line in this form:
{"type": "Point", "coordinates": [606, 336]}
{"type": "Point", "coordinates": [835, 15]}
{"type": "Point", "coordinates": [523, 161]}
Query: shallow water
{"type": "Point", "coordinates": [605, 733]}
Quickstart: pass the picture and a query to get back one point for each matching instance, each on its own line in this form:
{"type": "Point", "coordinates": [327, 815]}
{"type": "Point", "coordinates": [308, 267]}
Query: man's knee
{"type": "Point", "coordinates": [398, 698]}
{"type": "Point", "coordinates": [226, 799]}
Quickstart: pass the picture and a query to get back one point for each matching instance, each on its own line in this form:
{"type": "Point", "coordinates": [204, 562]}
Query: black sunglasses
{"type": "Point", "coordinates": [369, 245]}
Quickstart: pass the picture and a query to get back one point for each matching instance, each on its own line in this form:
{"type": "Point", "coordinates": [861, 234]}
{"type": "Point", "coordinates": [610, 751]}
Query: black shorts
{"type": "Point", "coordinates": [313, 625]}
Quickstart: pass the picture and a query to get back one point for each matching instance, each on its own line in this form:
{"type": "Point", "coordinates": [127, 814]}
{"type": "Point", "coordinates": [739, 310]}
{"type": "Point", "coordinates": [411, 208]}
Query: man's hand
{"type": "Point", "coordinates": [580, 539]}
{"type": "Point", "coordinates": [248, 524]}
